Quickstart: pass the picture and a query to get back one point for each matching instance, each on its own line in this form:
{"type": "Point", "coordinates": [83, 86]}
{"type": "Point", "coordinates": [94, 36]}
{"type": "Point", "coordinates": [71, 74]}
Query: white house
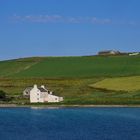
{"type": "Point", "coordinates": [41, 95]}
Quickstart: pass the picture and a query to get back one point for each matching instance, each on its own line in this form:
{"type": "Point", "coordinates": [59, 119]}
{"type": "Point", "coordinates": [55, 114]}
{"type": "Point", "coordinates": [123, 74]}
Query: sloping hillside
{"type": "Point", "coordinates": [11, 67]}
{"type": "Point", "coordinates": [71, 77]}
{"type": "Point", "coordinates": [71, 67]}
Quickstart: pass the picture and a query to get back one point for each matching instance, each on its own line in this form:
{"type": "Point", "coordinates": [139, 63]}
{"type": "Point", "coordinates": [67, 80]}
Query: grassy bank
{"type": "Point", "coordinates": [74, 91]}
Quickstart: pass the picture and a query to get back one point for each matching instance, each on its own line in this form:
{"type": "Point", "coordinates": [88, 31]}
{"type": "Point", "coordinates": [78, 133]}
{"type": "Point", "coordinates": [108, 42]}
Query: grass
{"type": "Point", "coordinates": [71, 67]}
{"type": "Point", "coordinates": [11, 67]}
{"type": "Point", "coordinates": [119, 84]}
{"type": "Point", "coordinates": [70, 78]}
{"type": "Point", "coordinates": [74, 91]}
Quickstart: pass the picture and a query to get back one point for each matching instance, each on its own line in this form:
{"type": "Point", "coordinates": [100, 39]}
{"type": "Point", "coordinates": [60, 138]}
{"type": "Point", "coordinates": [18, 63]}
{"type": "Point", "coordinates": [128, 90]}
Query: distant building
{"type": "Point", "coordinates": [26, 92]}
{"type": "Point", "coordinates": [109, 52]}
{"type": "Point", "coordinates": [40, 95]}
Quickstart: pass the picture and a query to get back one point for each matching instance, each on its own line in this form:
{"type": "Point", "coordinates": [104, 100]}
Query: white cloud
{"type": "Point", "coordinates": [70, 20]}
{"type": "Point", "coordinates": [59, 19]}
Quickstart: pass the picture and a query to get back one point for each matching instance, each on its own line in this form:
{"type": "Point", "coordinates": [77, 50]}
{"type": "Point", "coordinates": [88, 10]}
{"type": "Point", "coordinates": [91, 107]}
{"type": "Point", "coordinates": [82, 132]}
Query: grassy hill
{"type": "Point", "coordinates": [72, 77]}
{"type": "Point", "coordinates": [71, 67]}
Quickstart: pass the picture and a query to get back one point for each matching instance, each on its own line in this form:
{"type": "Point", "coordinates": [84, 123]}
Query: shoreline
{"type": "Point", "coordinates": [65, 106]}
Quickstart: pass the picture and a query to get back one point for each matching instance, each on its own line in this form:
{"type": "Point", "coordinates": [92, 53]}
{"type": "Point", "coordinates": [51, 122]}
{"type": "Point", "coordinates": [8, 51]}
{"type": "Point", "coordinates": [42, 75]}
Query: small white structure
{"type": "Point", "coordinates": [134, 54]}
{"type": "Point", "coordinates": [41, 95]}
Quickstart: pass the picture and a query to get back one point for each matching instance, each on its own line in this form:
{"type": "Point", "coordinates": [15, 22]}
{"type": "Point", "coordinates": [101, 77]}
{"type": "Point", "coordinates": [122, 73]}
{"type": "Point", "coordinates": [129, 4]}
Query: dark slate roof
{"type": "Point", "coordinates": [42, 89]}
{"type": "Point", "coordinates": [28, 89]}
{"type": "Point", "coordinates": [108, 51]}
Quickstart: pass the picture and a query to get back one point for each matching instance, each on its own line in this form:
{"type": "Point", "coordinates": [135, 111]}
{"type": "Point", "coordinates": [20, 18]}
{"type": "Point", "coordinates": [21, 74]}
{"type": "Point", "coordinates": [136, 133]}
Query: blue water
{"type": "Point", "coordinates": [70, 124]}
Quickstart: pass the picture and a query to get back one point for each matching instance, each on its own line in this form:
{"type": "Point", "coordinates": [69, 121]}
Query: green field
{"type": "Point", "coordinates": [71, 67]}
{"type": "Point", "coordinates": [119, 84]}
{"type": "Point", "coordinates": [72, 77]}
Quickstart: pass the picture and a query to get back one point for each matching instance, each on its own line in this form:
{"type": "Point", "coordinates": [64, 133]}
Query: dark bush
{"type": "Point", "coordinates": [2, 95]}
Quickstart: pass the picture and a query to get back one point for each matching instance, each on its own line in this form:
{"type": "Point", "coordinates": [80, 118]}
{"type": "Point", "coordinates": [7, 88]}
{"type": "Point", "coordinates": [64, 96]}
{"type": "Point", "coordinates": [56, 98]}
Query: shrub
{"type": "Point", "coordinates": [2, 95]}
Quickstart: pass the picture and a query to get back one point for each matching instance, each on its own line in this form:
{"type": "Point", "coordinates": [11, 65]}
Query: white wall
{"type": "Point", "coordinates": [53, 98]}
{"type": "Point", "coordinates": [35, 96]}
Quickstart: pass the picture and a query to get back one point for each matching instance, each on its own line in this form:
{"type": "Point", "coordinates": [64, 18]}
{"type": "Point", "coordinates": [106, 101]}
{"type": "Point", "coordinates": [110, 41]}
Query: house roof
{"type": "Point", "coordinates": [108, 51]}
{"type": "Point", "coordinates": [28, 89]}
{"type": "Point", "coordinates": [42, 89]}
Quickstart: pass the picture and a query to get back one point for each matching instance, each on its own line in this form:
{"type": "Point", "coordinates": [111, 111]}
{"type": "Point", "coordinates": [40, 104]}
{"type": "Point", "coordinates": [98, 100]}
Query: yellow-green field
{"type": "Point", "coordinates": [119, 84]}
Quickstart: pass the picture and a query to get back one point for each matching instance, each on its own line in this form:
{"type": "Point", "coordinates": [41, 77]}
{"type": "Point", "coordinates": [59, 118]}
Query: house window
{"type": "Point", "coordinates": [55, 98]}
{"type": "Point", "coordinates": [37, 98]}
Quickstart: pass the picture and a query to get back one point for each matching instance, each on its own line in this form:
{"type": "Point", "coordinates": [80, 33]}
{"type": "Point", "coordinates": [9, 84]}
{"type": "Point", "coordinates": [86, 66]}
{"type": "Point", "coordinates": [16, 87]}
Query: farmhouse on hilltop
{"type": "Point", "coordinates": [109, 52]}
{"type": "Point", "coordinates": [40, 95]}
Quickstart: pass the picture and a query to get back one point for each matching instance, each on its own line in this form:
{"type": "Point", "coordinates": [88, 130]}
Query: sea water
{"type": "Point", "coordinates": [69, 123]}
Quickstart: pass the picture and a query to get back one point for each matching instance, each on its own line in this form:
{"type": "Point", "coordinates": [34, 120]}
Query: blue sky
{"type": "Point", "coordinates": [67, 27]}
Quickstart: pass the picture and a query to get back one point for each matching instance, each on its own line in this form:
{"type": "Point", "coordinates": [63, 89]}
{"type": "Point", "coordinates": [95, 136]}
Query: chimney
{"type": "Point", "coordinates": [43, 86]}
{"type": "Point", "coordinates": [35, 86]}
